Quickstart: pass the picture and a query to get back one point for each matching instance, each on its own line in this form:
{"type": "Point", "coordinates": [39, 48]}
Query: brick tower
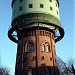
{"type": "Point", "coordinates": [34, 27]}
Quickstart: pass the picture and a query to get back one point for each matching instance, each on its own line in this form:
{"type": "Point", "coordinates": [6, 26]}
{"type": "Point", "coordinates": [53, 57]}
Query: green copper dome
{"type": "Point", "coordinates": [47, 8]}
{"type": "Point", "coordinates": [35, 14]}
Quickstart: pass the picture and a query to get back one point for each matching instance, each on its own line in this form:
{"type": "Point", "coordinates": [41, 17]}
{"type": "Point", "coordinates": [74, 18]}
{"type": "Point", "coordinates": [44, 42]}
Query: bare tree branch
{"type": "Point", "coordinates": [4, 71]}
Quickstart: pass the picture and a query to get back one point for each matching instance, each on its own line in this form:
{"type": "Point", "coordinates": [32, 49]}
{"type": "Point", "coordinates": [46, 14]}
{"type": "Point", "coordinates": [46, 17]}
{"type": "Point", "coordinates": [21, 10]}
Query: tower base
{"type": "Point", "coordinates": [36, 53]}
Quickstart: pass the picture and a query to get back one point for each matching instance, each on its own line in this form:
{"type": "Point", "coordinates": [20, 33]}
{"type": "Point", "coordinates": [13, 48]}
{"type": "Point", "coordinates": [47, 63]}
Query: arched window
{"type": "Point", "coordinates": [32, 46]}
{"type": "Point", "coordinates": [30, 72]}
{"type": "Point", "coordinates": [29, 46]}
{"type": "Point", "coordinates": [43, 47]}
{"type": "Point", "coordinates": [47, 71]}
{"type": "Point", "coordinates": [47, 48]}
{"type": "Point", "coordinates": [26, 47]}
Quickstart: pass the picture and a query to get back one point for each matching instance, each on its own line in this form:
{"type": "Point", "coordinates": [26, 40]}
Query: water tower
{"type": "Point", "coordinates": [35, 28]}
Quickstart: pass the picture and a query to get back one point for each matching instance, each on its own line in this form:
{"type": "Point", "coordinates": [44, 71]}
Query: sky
{"type": "Point", "coordinates": [65, 48]}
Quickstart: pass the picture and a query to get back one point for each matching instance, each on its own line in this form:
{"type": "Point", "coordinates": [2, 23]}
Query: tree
{"type": "Point", "coordinates": [61, 65]}
{"type": "Point", "coordinates": [4, 71]}
{"type": "Point", "coordinates": [73, 69]}
{"type": "Point", "coordinates": [66, 68]}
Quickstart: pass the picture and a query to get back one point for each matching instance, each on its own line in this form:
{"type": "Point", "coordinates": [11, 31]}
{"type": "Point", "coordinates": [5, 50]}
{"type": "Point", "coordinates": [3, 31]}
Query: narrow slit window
{"type": "Point", "coordinates": [34, 58]}
{"type": "Point", "coordinates": [42, 58]}
{"type": "Point", "coordinates": [56, 4]}
{"type": "Point", "coordinates": [57, 12]}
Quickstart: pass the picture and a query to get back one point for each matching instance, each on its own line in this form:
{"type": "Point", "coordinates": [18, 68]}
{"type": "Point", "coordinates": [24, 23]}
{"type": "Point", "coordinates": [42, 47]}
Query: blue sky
{"type": "Point", "coordinates": [64, 48]}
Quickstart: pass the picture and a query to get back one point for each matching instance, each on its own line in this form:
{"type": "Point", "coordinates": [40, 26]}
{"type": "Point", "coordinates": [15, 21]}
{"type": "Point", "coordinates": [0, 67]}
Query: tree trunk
{"type": "Point", "coordinates": [73, 69]}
